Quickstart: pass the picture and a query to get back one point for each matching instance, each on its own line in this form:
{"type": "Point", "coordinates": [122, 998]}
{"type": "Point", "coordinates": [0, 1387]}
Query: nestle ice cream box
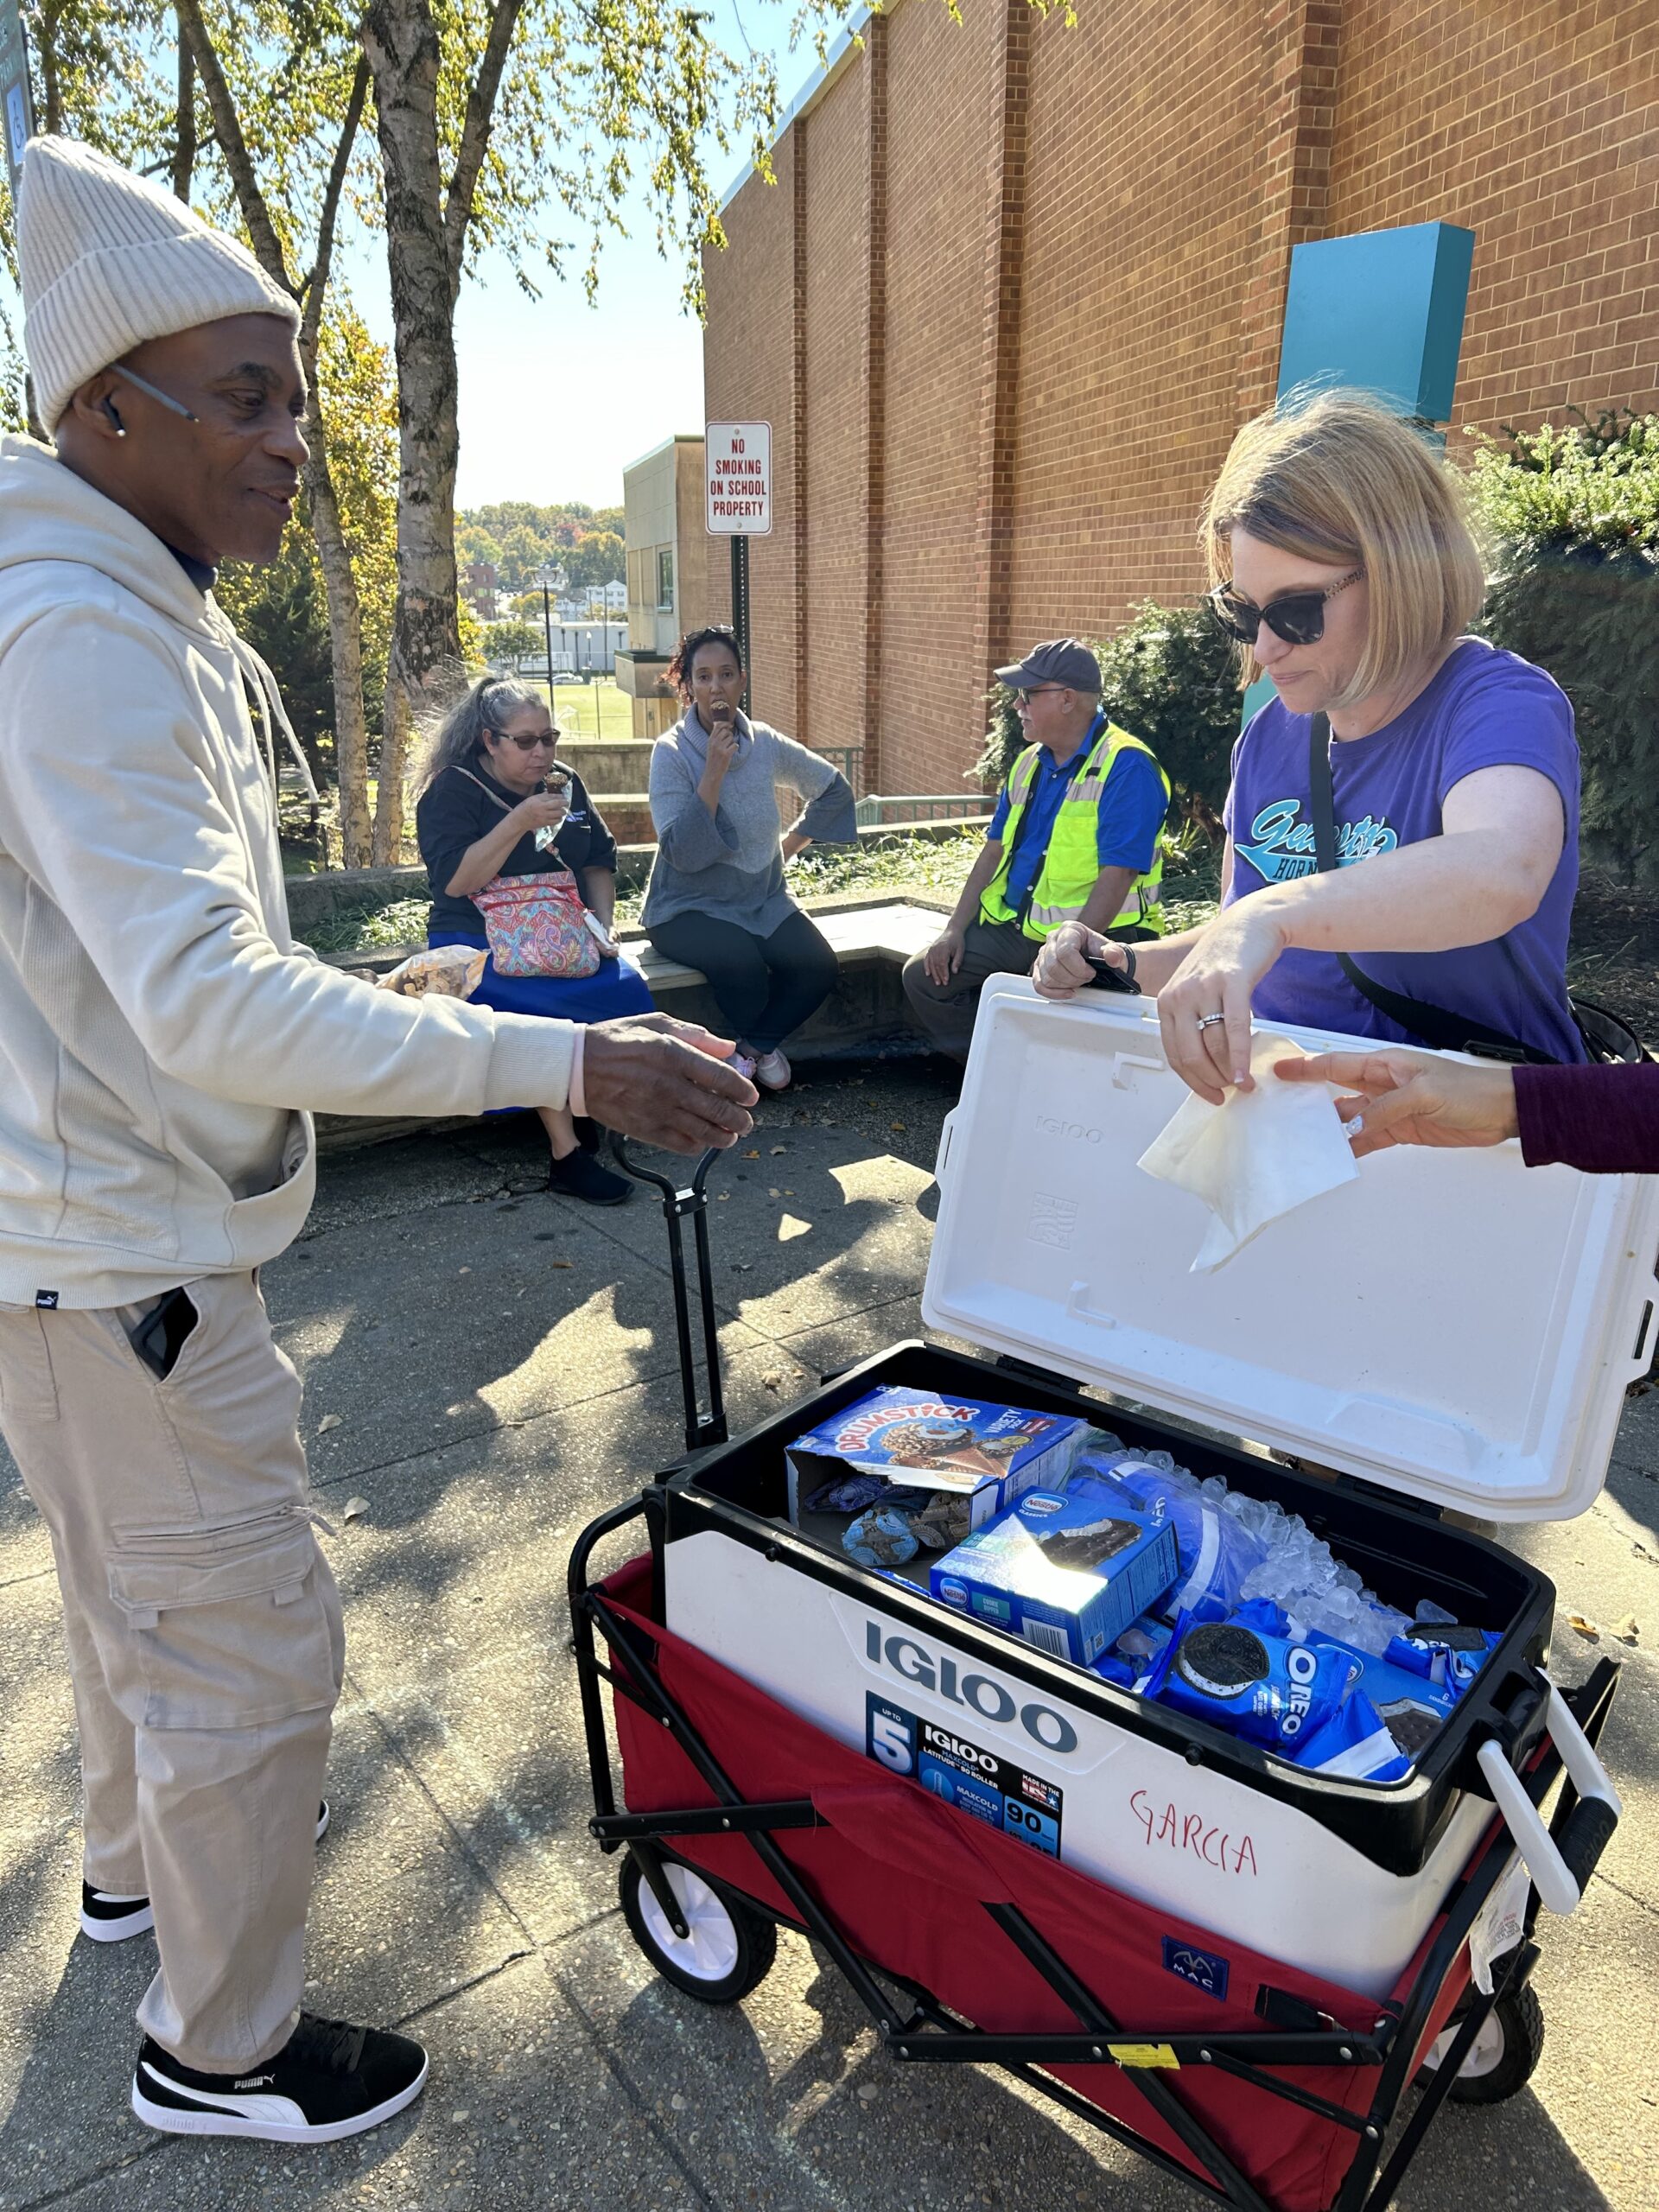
{"type": "Point", "coordinates": [919, 1440]}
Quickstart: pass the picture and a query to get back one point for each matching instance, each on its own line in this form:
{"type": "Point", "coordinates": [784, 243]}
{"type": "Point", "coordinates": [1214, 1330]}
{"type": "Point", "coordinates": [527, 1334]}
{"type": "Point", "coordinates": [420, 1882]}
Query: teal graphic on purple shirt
{"type": "Point", "coordinates": [1483, 709]}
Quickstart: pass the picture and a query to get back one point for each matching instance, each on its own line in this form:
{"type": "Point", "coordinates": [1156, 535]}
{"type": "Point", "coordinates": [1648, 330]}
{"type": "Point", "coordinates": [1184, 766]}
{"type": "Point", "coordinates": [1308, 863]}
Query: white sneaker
{"type": "Point", "coordinates": [771, 1071]}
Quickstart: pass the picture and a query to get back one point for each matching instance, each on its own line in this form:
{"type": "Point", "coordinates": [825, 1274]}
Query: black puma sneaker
{"type": "Point", "coordinates": [105, 1918]}
{"type": "Point", "coordinates": [328, 2080]}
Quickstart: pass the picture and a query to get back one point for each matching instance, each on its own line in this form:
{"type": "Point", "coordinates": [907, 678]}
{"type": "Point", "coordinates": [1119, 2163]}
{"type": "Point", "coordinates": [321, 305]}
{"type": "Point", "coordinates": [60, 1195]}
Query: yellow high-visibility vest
{"type": "Point", "coordinates": [1071, 865]}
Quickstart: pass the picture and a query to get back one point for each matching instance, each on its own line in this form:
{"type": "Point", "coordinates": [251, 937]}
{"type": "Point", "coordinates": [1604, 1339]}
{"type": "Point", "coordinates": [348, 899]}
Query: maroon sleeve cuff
{"type": "Point", "coordinates": [1603, 1120]}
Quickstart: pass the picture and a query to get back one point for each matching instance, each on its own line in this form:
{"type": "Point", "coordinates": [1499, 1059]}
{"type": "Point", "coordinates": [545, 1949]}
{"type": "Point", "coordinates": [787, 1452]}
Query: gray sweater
{"type": "Point", "coordinates": [727, 865]}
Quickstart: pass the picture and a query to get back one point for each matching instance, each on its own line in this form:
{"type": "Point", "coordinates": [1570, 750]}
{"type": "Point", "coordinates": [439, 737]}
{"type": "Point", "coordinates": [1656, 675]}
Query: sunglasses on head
{"type": "Point", "coordinates": [1297, 616]}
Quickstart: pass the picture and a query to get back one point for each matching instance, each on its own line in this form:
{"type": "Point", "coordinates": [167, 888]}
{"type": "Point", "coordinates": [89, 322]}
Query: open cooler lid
{"type": "Point", "coordinates": [1452, 1325]}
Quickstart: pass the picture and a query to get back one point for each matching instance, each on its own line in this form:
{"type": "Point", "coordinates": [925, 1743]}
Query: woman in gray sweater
{"type": "Point", "coordinates": [717, 899]}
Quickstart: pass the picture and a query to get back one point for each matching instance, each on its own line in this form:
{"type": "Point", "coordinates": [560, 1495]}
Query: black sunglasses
{"type": "Point", "coordinates": [1297, 616]}
{"type": "Point", "coordinates": [528, 744]}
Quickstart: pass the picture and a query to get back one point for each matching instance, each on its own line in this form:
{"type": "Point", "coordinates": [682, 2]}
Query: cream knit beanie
{"type": "Point", "coordinates": [108, 260]}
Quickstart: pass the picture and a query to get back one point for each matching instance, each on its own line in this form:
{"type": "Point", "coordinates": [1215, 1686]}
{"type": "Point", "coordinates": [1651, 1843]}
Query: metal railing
{"type": "Point", "coordinates": [877, 812]}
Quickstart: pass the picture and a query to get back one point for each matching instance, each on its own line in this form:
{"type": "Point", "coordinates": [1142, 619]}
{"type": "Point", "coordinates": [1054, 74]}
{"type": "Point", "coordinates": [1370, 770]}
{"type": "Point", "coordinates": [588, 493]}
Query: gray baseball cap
{"type": "Point", "coordinates": [1062, 660]}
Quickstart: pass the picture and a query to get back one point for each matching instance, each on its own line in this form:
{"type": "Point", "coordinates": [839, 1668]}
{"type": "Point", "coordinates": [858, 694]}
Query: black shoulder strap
{"type": "Point", "coordinates": [1434, 1026]}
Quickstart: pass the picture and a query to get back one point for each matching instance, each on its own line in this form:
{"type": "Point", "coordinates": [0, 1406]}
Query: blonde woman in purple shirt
{"type": "Point", "coordinates": [1344, 567]}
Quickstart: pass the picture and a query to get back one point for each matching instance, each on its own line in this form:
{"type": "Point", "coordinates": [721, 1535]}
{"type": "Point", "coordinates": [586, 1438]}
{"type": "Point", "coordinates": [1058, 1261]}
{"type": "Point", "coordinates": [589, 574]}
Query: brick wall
{"type": "Point", "coordinates": [1537, 124]}
{"type": "Point", "coordinates": [1018, 285]}
{"type": "Point", "coordinates": [944, 127]}
{"type": "Point", "coordinates": [835, 369]}
{"type": "Point", "coordinates": [749, 376]}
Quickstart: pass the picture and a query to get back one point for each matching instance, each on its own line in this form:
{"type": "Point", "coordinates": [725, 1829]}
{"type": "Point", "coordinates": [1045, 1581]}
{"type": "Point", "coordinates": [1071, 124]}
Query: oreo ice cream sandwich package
{"type": "Point", "coordinates": [1067, 1571]}
{"type": "Point", "coordinates": [1261, 1686]}
{"type": "Point", "coordinates": [915, 1439]}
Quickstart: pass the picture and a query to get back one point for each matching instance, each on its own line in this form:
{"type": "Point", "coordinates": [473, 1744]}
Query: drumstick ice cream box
{"type": "Point", "coordinates": [988, 1454]}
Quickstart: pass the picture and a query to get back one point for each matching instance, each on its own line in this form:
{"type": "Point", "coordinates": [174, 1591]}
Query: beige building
{"type": "Point", "coordinates": [668, 565]}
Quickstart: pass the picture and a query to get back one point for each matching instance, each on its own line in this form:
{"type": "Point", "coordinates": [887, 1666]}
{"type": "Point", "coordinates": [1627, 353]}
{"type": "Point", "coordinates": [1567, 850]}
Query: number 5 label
{"type": "Point", "coordinates": [890, 1734]}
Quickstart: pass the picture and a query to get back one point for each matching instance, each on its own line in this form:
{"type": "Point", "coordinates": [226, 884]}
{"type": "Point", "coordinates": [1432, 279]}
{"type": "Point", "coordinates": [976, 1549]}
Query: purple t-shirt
{"type": "Point", "coordinates": [1484, 708]}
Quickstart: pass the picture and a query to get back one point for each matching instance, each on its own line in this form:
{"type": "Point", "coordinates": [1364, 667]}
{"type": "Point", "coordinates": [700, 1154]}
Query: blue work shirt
{"type": "Point", "coordinates": [1130, 816]}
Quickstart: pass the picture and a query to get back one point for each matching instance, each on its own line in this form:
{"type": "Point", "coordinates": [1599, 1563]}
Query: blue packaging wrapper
{"type": "Point", "coordinates": [881, 1538]}
{"type": "Point", "coordinates": [1261, 1687]}
{"type": "Point", "coordinates": [1216, 1552]}
{"type": "Point", "coordinates": [1413, 1706]}
{"type": "Point", "coordinates": [1355, 1744]}
{"type": "Point", "coordinates": [1449, 1655]}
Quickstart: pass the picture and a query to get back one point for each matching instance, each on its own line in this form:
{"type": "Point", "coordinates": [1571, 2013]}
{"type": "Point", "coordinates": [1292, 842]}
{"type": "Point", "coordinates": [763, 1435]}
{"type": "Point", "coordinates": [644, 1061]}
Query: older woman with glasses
{"type": "Point", "coordinates": [1402, 828]}
{"type": "Point", "coordinates": [494, 801]}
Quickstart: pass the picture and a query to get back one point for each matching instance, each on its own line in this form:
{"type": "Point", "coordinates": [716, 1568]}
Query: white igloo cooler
{"type": "Point", "coordinates": [1453, 1330]}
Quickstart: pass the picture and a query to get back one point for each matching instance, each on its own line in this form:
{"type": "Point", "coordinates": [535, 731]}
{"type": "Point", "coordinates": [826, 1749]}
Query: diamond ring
{"type": "Point", "coordinates": [1209, 1020]}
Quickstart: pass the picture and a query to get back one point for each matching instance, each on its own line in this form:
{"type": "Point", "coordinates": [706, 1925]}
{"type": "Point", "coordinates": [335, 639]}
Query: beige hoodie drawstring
{"type": "Point", "coordinates": [271, 704]}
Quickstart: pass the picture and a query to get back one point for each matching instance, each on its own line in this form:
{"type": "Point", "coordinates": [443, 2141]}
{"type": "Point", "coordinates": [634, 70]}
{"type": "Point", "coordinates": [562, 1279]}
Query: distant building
{"type": "Point", "coordinates": [667, 591]}
{"type": "Point", "coordinates": [481, 589]}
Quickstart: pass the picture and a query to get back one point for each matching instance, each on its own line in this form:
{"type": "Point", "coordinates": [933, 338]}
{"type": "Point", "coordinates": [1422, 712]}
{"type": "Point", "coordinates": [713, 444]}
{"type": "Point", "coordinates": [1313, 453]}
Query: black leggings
{"type": "Point", "coordinates": [765, 986]}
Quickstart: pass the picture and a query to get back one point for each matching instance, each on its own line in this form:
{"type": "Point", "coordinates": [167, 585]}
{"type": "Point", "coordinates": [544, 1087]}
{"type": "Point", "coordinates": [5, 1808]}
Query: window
{"type": "Point", "coordinates": [665, 578]}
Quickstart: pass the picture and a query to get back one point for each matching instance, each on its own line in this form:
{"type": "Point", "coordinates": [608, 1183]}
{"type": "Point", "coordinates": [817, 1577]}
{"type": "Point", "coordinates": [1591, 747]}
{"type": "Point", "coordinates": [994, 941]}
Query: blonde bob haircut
{"type": "Point", "coordinates": [1341, 477]}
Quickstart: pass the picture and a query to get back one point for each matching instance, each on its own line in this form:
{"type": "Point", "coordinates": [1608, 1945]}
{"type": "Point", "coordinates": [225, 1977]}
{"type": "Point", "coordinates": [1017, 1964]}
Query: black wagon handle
{"type": "Point", "coordinates": [703, 1425]}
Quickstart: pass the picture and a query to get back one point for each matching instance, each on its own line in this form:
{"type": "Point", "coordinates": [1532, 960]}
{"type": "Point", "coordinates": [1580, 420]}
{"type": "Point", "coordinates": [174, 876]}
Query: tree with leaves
{"type": "Point", "coordinates": [323, 502]}
{"type": "Point", "coordinates": [490, 118]}
{"type": "Point", "coordinates": [486, 113]}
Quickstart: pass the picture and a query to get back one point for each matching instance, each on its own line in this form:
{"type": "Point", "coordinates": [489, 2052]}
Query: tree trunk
{"type": "Point", "coordinates": [345, 647]}
{"type": "Point", "coordinates": [401, 41]}
{"type": "Point", "coordinates": [425, 239]}
{"type": "Point", "coordinates": [196, 52]}
{"type": "Point", "coordinates": [184, 144]}
{"type": "Point", "coordinates": [45, 31]}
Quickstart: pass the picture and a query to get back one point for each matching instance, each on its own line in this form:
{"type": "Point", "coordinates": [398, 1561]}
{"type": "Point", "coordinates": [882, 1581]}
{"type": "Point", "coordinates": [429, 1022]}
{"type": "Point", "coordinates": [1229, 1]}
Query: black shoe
{"type": "Point", "coordinates": [107, 1919]}
{"type": "Point", "coordinates": [579, 1175]}
{"type": "Point", "coordinates": [327, 2081]}
{"type": "Point", "coordinates": [110, 1919]}
{"type": "Point", "coordinates": [590, 1134]}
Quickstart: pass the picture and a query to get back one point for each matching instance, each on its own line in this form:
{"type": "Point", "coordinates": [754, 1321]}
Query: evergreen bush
{"type": "Point", "coordinates": [1572, 520]}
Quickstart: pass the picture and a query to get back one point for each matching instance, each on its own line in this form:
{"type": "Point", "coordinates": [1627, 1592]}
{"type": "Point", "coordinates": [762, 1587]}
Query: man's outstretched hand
{"type": "Point", "coordinates": [665, 1082]}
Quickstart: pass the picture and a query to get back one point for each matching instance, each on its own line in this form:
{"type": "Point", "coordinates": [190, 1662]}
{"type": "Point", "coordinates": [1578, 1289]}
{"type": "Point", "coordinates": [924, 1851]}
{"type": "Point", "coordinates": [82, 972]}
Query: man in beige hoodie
{"type": "Point", "coordinates": [163, 1044]}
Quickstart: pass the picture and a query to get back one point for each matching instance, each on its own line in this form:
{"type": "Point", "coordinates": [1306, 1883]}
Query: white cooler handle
{"type": "Point", "coordinates": [1642, 1358]}
{"type": "Point", "coordinates": [1559, 1874]}
{"type": "Point", "coordinates": [946, 1128]}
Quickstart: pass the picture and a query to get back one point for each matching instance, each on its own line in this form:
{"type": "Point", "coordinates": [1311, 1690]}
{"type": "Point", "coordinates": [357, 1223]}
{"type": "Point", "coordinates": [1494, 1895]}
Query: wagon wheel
{"type": "Point", "coordinates": [728, 1949]}
{"type": "Point", "coordinates": [1505, 2052]}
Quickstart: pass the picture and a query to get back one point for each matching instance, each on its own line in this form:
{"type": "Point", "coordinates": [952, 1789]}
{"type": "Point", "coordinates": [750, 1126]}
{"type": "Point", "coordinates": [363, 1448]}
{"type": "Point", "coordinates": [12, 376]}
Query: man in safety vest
{"type": "Point", "coordinates": [1075, 838]}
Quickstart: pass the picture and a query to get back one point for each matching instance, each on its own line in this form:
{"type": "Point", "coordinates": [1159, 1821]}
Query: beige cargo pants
{"type": "Point", "coordinates": [204, 1644]}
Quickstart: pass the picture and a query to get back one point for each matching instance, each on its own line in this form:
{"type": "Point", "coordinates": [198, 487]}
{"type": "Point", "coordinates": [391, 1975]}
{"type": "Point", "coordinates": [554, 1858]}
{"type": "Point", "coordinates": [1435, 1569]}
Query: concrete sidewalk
{"type": "Point", "coordinates": [488, 1369]}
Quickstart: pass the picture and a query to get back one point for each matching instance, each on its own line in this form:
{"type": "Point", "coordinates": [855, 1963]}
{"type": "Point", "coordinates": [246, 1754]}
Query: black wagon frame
{"type": "Point", "coordinates": [919, 2029]}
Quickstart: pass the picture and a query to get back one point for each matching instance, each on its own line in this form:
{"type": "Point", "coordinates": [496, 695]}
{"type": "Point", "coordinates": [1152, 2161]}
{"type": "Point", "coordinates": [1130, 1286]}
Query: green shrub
{"type": "Point", "coordinates": [1572, 520]}
{"type": "Point", "coordinates": [505, 641]}
{"type": "Point", "coordinates": [1169, 678]}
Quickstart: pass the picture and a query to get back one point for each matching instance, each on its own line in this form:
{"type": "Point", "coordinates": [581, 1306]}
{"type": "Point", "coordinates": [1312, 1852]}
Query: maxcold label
{"type": "Point", "coordinates": [977, 1782]}
{"type": "Point", "coordinates": [975, 1692]}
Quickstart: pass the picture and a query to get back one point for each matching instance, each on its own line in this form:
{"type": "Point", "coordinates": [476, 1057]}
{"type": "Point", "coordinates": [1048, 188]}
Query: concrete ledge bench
{"type": "Point", "coordinates": [872, 938]}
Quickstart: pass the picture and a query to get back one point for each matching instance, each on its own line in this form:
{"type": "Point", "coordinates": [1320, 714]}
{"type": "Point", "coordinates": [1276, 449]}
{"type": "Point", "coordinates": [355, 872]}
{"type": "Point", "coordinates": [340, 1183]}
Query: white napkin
{"type": "Point", "coordinates": [1257, 1155]}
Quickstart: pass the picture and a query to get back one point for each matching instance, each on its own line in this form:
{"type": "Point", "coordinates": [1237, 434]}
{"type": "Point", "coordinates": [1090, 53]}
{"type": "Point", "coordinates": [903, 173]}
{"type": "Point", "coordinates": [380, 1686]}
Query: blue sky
{"type": "Point", "coordinates": [556, 397]}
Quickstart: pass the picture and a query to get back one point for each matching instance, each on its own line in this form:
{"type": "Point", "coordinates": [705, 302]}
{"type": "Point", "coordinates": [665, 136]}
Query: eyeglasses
{"type": "Point", "coordinates": [224, 418]}
{"type": "Point", "coordinates": [1035, 692]}
{"type": "Point", "coordinates": [528, 744]}
{"type": "Point", "coordinates": [1297, 616]}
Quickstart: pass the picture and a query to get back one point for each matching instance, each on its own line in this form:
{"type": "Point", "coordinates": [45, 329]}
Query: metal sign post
{"type": "Point", "coordinates": [737, 464]}
{"type": "Point", "coordinates": [17, 102]}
